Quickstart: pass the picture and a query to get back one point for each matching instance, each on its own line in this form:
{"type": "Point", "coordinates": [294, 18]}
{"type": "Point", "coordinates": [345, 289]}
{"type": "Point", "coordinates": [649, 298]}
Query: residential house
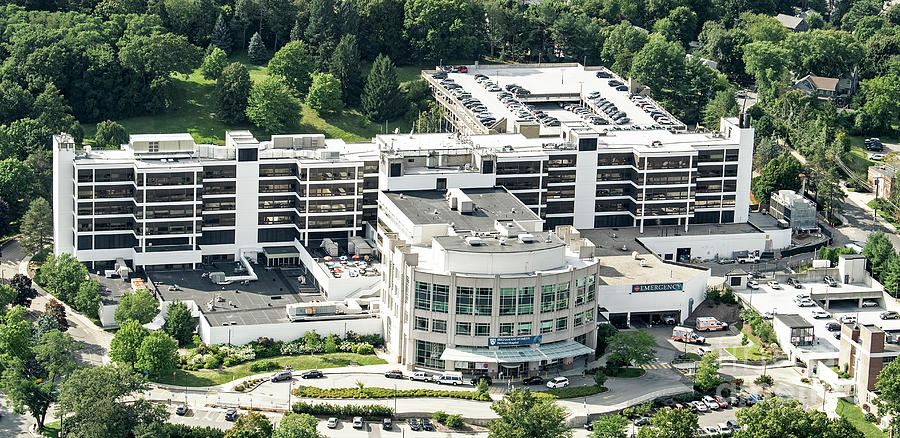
{"type": "Point", "coordinates": [881, 180]}
{"type": "Point", "coordinates": [794, 24]}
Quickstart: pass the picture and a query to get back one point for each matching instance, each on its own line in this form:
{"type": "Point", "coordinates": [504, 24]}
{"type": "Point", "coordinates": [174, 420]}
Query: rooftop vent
{"type": "Point", "coordinates": [526, 238]}
{"type": "Point", "coordinates": [474, 241]}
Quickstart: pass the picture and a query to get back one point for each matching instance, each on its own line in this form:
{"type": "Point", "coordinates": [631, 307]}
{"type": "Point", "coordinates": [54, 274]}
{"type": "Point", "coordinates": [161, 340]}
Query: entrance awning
{"type": "Point", "coordinates": [548, 352]}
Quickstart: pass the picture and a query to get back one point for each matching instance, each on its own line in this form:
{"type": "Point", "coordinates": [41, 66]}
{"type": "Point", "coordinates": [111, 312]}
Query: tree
{"type": "Point", "coordinates": [330, 345]}
{"type": "Point", "coordinates": [157, 355]}
{"type": "Point", "coordinates": [831, 53]}
{"type": "Point", "coordinates": [767, 62]}
{"type": "Point", "coordinates": [890, 276]}
{"type": "Point", "coordinates": [381, 98]}
{"type": "Point", "coordinates": [24, 292]}
{"type": "Point", "coordinates": [881, 107]}
{"type": "Point", "coordinates": [323, 29]}
{"type": "Point", "coordinates": [58, 312]}
{"type": "Point", "coordinates": [110, 134]}
{"type": "Point", "coordinates": [599, 378]}
{"type": "Point", "coordinates": [444, 29]}
{"type": "Point", "coordinates": [622, 44]}
{"type": "Point", "coordinates": [609, 426]}
{"type": "Point", "coordinates": [62, 276]}
{"type": "Point", "coordinates": [630, 348]}
{"type": "Point", "coordinates": [179, 323]}
{"type": "Point", "coordinates": [724, 104]}
{"type": "Point", "coordinates": [524, 415]}
{"type": "Point", "coordinates": [680, 26]}
{"type": "Point", "coordinates": [140, 306]}
{"type": "Point", "coordinates": [297, 426]}
{"type": "Point", "coordinates": [605, 332]}
{"type": "Point", "coordinates": [93, 400]}
{"type": "Point", "coordinates": [775, 418]}
{"type": "Point", "coordinates": [296, 31]}
{"type": "Point", "coordinates": [252, 425]}
{"type": "Point", "coordinates": [232, 91]}
{"type": "Point", "coordinates": [87, 300]}
{"type": "Point", "coordinates": [707, 376]}
{"type": "Point", "coordinates": [5, 229]}
{"type": "Point", "coordinates": [325, 94]}
{"type": "Point", "coordinates": [213, 64]}
{"type": "Point", "coordinates": [888, 385]}
{"type": "Point", "coordinates": [782, 173]}
{"type": "Point", "coordinates": [878, 251]}
{"type": "Point", "coordinates": [257, 51]}
{"type": "Point", "coordinates": [671, 423]}
{"type": "Point", "coordinates": [814, 20]}
{"type": "Point", "coordinates": [344, 66]}
{"type": "Point", "coordinates": [294, 63]}
{"type": "Point", "coordinates": [123, 349]}
{"type": "Point", "coordinates": [37, 227]}
{"type": "Point", "coordinates": [221, 35]}
{"type": "Point", "coordinates": [55, 352]}
{"type": "Point", "coordinates": [16, 180]}
{"type": "Point", "coordinates": [272, 106]}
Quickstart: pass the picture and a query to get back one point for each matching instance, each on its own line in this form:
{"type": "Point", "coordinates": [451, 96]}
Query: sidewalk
{"type": "Point", "coordinates": [861, 200]}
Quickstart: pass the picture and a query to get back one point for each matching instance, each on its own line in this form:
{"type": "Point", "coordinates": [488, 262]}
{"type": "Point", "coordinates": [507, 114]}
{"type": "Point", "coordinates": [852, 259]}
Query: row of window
{"type": "Point", "coordinates": [505, 328]}
{"type": "Point", "coordinates": [512, 301]}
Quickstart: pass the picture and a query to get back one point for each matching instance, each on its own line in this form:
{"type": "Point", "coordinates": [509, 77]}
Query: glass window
{"type": "Point", "coordinates": [483, 300]}
{"type": "Point", "coordinates": [439, 326]}
{"type": "Point", "coordinates": [579, 320]}
{"type": "Point", "coordinates": [421, 323]}
{"type": "Point", "coordinates": [562, 298]}
{"type": "Point", "coordinates": [589, 315]}
{"type": "Point", "coordinates": [440, 297]}
{"type": "Point", "coordinates": [546, 326]}
{"type": "Point", "coordinates": [423, 296]}
{"type": "Point", "coordinates": [428, 354]}
{"type": "Point", "coordinates": [591, 288]}
{"type": "Point", "coordinates": [506, 329]}
{"type": "Point", "coordinates": [464, 328]}
{"type": "Point", "coordinates": [464, 300]}
{"type": "Point", "coordinates": [548, 292]}
{"type": "Point", "coordinates": [526, 300]}
{"type": "Point", "coordinates": [562, 324]}
{"type": "Point", "coordinates": [580, 291]}
{"type": "Point", "coordinates": [524, 328]}
{"type": "Point", "coordinates": [482, 329]}
{"type": "Point", "coordinates": [507, 301]}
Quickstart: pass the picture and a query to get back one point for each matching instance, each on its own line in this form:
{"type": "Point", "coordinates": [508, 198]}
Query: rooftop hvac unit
{"type": "Point", "coordinates": [474, 241]}
{"type": "Point", "coordinates": [526, 238]}
{"type": "Point", "coordinates": [329, 155]}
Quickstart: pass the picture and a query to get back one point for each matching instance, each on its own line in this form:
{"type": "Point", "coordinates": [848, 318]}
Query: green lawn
{"type": "Point", "coordinates": [884, 213]}
{"type": "Point", "coordinates": [51, 429]}
{"type": "Point", "coordinates": [751, 351]}
{"type": "Point", "coordinates": [220, 376]}
{"type": "Point", "coordinates": [855, 416]}
{"type": "Point", "coordinates": [195, 113]}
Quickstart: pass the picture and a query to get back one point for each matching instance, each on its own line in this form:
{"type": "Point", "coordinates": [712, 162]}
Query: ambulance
{"type": "Point", "coordinates": [687, 335]}
{"type": "Point", "coordinates": [706, 324]}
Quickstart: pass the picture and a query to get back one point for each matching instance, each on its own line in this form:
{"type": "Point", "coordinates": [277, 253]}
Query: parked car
{"type": "Point", "coordinates": [710, 403]}
{"type": "Point", "coordinates": [753, 284]}
{"type": "Point", "coordinates": [427, 424]}
{"type": "Point", "coordinates": [876, 156]}
{"type": "Point", "coordinates": [387, 424]}
{"type": "Point", "coordinates": [420, 376]}
{"type": "Point", "coordinates": [312, 374]}
{"type": "Point", "coordinates": [832, 326]}
{"type": "Point", "coordinates": [414, 424]}
{"type": "Point", "coordinates": [726, 261]}
{"type": "Point", "coordinates": [724, 428]}
{"type": "Point", "coordinates": [702, 351]}
{"type": "Point", "coordinates": [700, 406]}
{"type": "Point", "coordinates": [589, 425]}
{"type": "Point", "coordinates": [482, 377]}
{"type": "Point", "coordinates": [837, 335]}
{"type": "Point", "coordinates": [829, 281]}
{"type": "Point", "coordinates": [774, 285]}
{"type": "Point", "coordinates": [806, 302]}
{"type": "Point", "coordinates": [533, 380]}
{"type": "Point", "coordinates": [848, 319]}
{"type": "Point", "coordinates": [734, 401]}
{"type": "Point", "coordinates": [890, 314]}
{"type": "Point", "coordinates": [332, 423]}
{"type": "Point", "coordinates": [558, 382]}
{"type": "Point", "coordinates": [870, 303]}
{"type": "Point", "coordinates": [643, 421]}
{"type": "Point", "coordinates": [231, 414]}
{"type": "Point", "coordinates": [180, 409]}
{"type": "Point", "coordinates": [723, 403]}
{"type": "Point", "coordinates": [358, 423]}
{"type": "Point", "coordinates": [394, 374]}
{"type": "Point", "coordinates": [281, 375]}
{"type": "Point", "coordinates": [821, 314]}
{"type": "Point", "coordinates": [768, 315]}
{"type": "Point", "coordinates": [753, 399]}
{"type": "Point", "coordinates": [795, 283]}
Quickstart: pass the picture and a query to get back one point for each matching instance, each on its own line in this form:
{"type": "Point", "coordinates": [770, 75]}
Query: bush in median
{"type": "Point", "coordinates": [326, 409]}
{"type": "Point", "coordinates": [571, 391]}
{"type": "Point", "coordinates": [313, 392]}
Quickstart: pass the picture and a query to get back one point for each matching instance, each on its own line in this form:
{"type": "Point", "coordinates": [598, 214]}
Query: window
{"type": "Point", "coordinates": [421, 323]}
{"type": "Point", "coordinates": [507, 301]}
{"type": "Point", "coordinates": [482, 329]}
{"type": "Point", "coordinates": [439, 326]}
{"type": "Point", "coordinates": [428, 354]}
{"type": "Point", "coordinates": [483, 300]}
{"type": "Point", "coordinates": [423, 296]}
{"type": "Point", "coordinates": [579, 320]}
{"type": "Point", "coordinates": [580, 290]}
{"type": "Point", "coordinates": [526, 300]}
{"type": "Point", "coordinates": [463, 300]}
{"type": "Point", "coordinates": [248, 154]}
{"type": "Point", "coordinates": [589, 315]}
{"type": "Point", "coordinates": [548, 291]}
{"type": "Point", "coordinates": [591, 288]}
{"type": "Point", "coordinates": [440, 297]}
{"type": "Point", "coordinates": [546, 326]}
{"type": "Point", "coordinates": [524, 329]}
{"type": "Point", "coordinates": [153, 146]}
{"type": "Point", "coordinates": [562, 324]}
{"type": "Point", "coordinates": [587, 144]}
{"type": "Point", "coordinates": [464, 328]}
{"type": "Point", "coordinates": [562, 298]}
{"type": "Point", "coordinates": [506, 329]}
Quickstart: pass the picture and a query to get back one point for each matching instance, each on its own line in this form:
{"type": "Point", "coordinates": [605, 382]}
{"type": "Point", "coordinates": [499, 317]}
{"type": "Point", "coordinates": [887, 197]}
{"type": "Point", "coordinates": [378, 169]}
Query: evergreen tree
{"type": "Point", "coordinates": [323, 30]}
{"type": "Point", "coordinates": [232, 91]}
{"type": "Point", "coordinates": [37, 226]}
{"type": "Point", "coordinates": [382, 99]}
{"type": "Point", "coordinates": [297, 31]}
{"type": "Point", "coordinates": [345, 67]}
{"type": "Point", "coordinates": [221, 35]}
{"type": "Point", "coordinates": [257, 50]}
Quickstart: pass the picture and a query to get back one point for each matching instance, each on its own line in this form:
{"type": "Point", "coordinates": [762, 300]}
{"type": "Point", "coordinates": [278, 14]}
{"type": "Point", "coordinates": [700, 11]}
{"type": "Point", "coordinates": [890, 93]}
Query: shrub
{"type": "Point", "coordinates": [455, 421]}
{"type": "Point", "coordinates": [212, 362]}
{"type": "Point", "coordinates": [439, 416]}
{"type": "Point", "coordinates": [184, 431]}
{"type": "Point", "coordinates": [264, 365]}
{"type": "Point", "coordinates": [326, 409]}
{"type": "Point", "coordinates": [870, 417]}
{"type": "Point", "coordinates": [764, 380]}
{"type": "Point", "coordinates": [805, 380]}
{"type": "Point", "coordinates": [571, 391]}
{"type": "Point", "coordinates": [363, 393]}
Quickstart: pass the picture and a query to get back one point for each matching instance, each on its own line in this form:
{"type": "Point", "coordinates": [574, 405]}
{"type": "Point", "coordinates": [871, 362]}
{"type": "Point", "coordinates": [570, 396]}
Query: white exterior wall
{"type": "Point", "coordinates": [63, 197]}
{"type": "Point", "coordinates": [713, 245]}
{"type": "Point", "coordinates": [428, 181]}
{"type": "Point", "coordinates": [246, 217]}
{"type": "Point", "coordinates": [489, 263]}
{"type": "Point", "coordinates": [242, 334]}
{"type": "Point", "coordinates": [620, 298]}
{"type": "Point", "coordinates": [744, 138]}
{"type": "Point", "coordinates": [585, 189]}
{"type": "Point", "coordinates": [107, 313]}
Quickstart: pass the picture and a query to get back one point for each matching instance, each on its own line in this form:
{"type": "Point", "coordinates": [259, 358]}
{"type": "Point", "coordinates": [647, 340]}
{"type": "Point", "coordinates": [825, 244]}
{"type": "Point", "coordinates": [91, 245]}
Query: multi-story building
{"type": "Point", "coordinates": [163, 202]}
{"type": "Point", "coordinates": [472, 282]}
{"type": "Point", "coordinates": [794, 209]}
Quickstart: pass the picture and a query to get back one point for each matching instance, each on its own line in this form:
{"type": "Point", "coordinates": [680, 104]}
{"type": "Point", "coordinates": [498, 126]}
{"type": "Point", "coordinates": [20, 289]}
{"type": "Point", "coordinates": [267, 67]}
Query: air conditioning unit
{"type": "Point", "coordinates": [526, 238]}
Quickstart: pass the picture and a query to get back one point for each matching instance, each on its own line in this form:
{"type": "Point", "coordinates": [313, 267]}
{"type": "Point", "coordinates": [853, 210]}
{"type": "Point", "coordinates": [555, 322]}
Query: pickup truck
{"type": "Point", "coordinates": [748, 259]}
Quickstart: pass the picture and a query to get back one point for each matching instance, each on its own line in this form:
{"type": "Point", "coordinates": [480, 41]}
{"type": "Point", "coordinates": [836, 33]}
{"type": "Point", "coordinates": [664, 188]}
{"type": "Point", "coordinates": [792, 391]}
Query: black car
{"type": "Point", "coordinates": [427, 424]}
{"type": "Point", "coordinates": [589, 426]}
{"type": "Point", "coordinates": [312, 374]}
{"type": "Point", "coordinates": [231, 414]}
{"type": "Point", "coordinates": [487, 379]}
{"type": "Point", "coordinates": [832, 326]}
{"type": "Point", "coordinates": [394, 374]}
{"type": "Point", "coordinates": [387, 424]}
{"type": "Point", "coordinates": [603, 75]}
{"type": "Point", "coordinates": [533, 380]}
{"type": "Point", "coordinates": [837, 335]}
{"type": "Point", "coordinates": [414, 424]}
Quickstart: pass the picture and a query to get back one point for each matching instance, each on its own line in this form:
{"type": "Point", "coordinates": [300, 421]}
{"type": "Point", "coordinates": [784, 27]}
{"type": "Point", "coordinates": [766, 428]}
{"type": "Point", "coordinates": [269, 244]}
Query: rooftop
{"type": "Point", "coordinates": [821, 83]}
{"type": "Point", "coordinates": [112, 289]}
{"type": "Point", "coordinates": [426, 207]}
{"type": "Point", "coordinates": [789, 21]}
{"type": "Point", "coordinates": [793, 321]}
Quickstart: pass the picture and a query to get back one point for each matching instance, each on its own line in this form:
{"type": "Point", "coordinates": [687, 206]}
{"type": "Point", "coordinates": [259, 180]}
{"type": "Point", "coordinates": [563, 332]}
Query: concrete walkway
{"type": "Point", "coordinates": [861, 201]}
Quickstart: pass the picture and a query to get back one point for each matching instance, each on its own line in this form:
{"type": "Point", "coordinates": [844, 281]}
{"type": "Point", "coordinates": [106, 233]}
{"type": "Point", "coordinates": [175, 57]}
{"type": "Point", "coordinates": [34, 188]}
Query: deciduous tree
{"type": "Point", "coordinates": [297, 426]}
{"type": "Point", "coordinates": [524, 415]}
{"type": "Point", "coordinates": [157, 355]}
{"type": "Point", "coordinates": [609, 426]}
{"type": "Point", "coordinates": [213, 64]}
{"type": "Point", "coordinates": [630, 348]}
{"type": "Point", "coordinates": [124, 347]}
{"type": "Point", "coordinates": [325, 94]}
{"type": "Point", "coordinates": [140, 306]}
{"type": "Point", "coordinates": [707, 376]}
{"type": "Point", "coordinates": [294, 63]}
{"type": "Point", "coordinates": [252, 425]}
{"type": "Point", "coordinates": [671, 423]}
{"type": "Point", "coordinates": [272, 106]}
{"type": "Point", "coordinates": [110, 134]}
{"type": "Point", "coordinates": [179, 323]}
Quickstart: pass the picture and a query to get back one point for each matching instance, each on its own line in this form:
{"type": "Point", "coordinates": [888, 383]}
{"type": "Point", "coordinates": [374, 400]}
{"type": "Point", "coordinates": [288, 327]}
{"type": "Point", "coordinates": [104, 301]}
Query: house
{"type": "Point", "coordinates": [794, 24]}
{"type": "Point", "coordinates": [881, 180]}
{"type": "Point", "coordinates": [827, 88]}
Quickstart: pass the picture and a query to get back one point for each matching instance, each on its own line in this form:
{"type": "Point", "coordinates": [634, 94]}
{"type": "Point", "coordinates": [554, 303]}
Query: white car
{"type": "Point", "coordinates": [821, 314]}
{"type": "Point", "coordinates": [848, 319]}
{"type": "Point", "coordinates": [700, 406]}
{"type": "Point", "coordinates": [558, 382]}
{"type": "Point", "coordinates": [802, 297]}
{"type": "Point", "coordinates": [774, 285]}
{"type": "Point", "coordinates": [752, 284]}
{"type": "Point", "coordinates": [710, 403]}
{"type": "Point", "coordinates": [805, 303]}
{"type": "Point", "coordinates": [768, 315]}
{"type": "Point", "coordinates": [870, 303]}
{"type": "Point", "coordinates": [876, 156]}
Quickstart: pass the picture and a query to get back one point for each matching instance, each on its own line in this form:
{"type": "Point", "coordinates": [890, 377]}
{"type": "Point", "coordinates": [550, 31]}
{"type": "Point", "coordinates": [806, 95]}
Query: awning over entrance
{"type": "Point", "coordinates": [554, 351]}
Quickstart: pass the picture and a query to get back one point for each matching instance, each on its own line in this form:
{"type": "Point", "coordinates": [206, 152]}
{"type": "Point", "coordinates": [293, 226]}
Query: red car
{"type": "Point", "coordinates": [723, 403]}
{"type": "Point", "coordinates": [463, 69]}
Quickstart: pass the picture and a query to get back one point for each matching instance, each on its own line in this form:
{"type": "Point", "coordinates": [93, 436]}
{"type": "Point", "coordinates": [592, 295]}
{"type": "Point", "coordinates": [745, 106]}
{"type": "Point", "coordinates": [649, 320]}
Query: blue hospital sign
{"type": "Point", "coordinates": [513, 341]}
{"type": "Point", "coordinates": [658, 287]}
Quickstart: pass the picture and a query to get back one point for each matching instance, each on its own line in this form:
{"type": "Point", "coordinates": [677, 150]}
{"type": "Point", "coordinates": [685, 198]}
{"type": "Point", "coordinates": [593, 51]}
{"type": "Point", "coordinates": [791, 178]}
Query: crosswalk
{"type": "Point", "coordinates": [656, 366]}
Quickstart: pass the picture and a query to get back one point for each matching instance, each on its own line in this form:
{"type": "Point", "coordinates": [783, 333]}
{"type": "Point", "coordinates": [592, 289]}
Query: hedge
{"type": "Point", "coordinates": [571, 391]}
{"type": "Point", "coordinates": [313, 392]}
{"type": "Point", "coordinates": [185, 431]}
{"type": "Point", "coordinates": [326, 409]}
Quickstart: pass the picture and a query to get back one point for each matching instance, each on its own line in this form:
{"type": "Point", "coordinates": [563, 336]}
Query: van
{"type": "Point", "coordinates": [706, 324]}
{"type": "Point", "coordinates": [687, 335]}
{"type": "Point", "coordinates": [281, 375]}
{"type": "Point", "coordinates": [454, 378]}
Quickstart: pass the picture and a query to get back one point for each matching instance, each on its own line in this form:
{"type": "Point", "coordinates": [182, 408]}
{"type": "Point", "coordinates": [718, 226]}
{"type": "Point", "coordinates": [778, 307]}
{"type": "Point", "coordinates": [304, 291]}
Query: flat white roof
{"type": "Point", "coordinates": [161, 137]}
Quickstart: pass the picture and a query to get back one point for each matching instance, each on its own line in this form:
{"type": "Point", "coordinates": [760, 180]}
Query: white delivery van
{"type": "Point", "coordinates": [454, 378]}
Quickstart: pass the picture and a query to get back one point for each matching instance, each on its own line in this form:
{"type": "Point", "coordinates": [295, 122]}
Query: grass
{"type": "Point", "coordinates": [858, 160]}
{"type": "Point", "coordinates": [224, 375]}
{"type": "Point", "coordinates": [628, 373]}
{"type": "Point", "coordinates": [855, 416]}
{"type": "Point", "coordinates": [752, 351]}
{"type": "Point", "coordinates": [195, 113]}
{"type": "Point", "coordinates": [885, 214]}
{"type": "Point", "coordinates": [52, 429]}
